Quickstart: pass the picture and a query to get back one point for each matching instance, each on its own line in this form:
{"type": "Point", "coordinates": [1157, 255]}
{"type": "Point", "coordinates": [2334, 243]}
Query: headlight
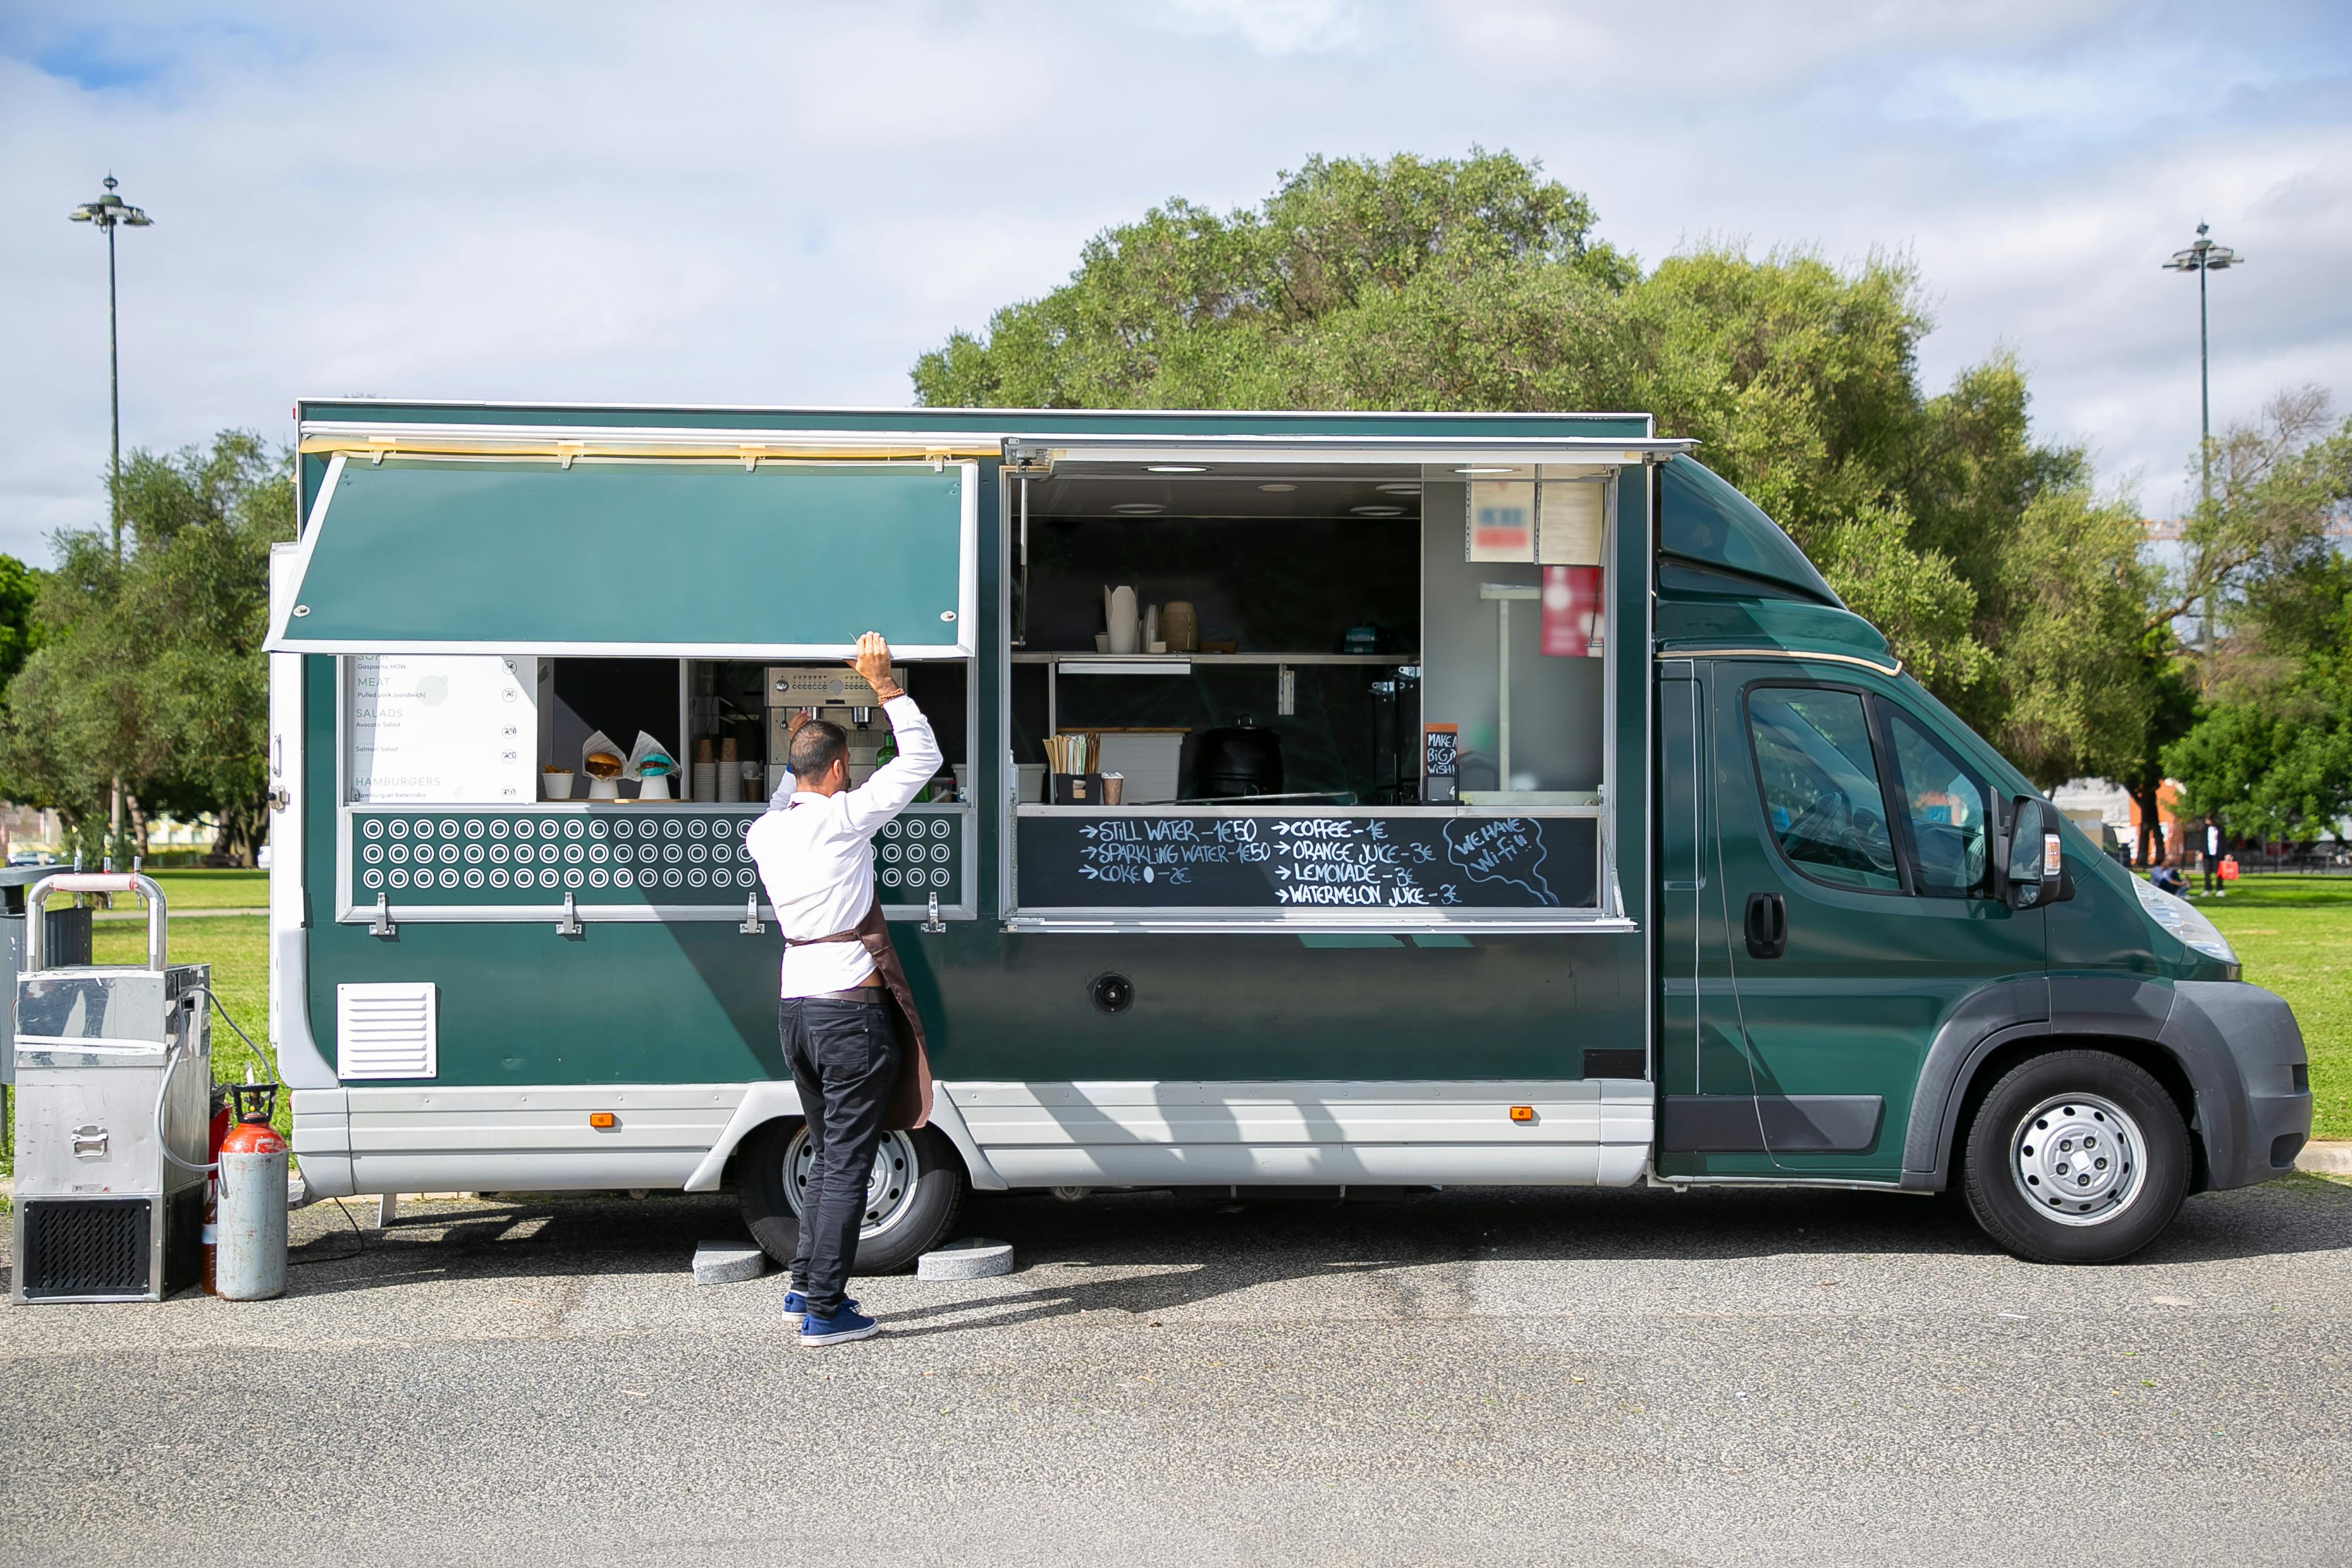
{"type": "Point", "coordinates": [2183, 920]}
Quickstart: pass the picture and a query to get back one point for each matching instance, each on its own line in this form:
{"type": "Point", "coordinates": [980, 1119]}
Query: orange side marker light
{"type": "Point", "coordinates": [1523, 1113]}
{"type": "Point", "coordinates": [601, 1118]}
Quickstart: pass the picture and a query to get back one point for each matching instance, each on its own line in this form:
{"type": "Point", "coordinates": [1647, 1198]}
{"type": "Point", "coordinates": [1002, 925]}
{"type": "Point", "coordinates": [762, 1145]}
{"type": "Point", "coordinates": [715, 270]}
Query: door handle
{"type": "Point", "coordinates": [1768, 925]}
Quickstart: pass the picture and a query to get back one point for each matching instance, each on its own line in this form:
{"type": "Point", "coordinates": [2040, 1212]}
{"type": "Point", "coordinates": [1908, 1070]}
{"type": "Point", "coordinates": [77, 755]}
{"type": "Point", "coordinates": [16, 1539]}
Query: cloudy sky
{"type": "Point", "coordinates": [780, 204]}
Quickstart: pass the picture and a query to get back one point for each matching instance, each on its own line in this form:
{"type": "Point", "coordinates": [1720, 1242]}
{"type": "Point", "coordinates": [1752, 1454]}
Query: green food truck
{"type": "Point", "coordinates": [1332, 801]}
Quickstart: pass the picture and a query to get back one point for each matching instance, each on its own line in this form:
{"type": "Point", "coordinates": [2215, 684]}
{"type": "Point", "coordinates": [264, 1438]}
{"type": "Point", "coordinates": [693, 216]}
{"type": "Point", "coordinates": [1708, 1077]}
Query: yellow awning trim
{"type": "Point", "coordinates": [567, 449]}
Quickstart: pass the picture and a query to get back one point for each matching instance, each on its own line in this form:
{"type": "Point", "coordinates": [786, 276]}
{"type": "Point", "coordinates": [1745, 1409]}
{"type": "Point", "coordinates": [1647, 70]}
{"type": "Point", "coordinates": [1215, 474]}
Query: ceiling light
{"type": "Point", "coordinates": [1137, 508]}
{"type": "Point", "coordinates": [1504, 470]}
{"type": "Point", "coordinates": [1399, 489]}
{"type": "Point", "coordinates": [1174, 469]}
{"type": "Point", "coordinates": [1277, 489]}
{"type": "Point", "coordinates": [1378, 510]}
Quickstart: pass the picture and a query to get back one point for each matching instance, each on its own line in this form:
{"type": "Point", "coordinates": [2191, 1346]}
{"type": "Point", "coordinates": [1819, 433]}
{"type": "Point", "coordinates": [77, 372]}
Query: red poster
{"type": "Point", "coordinates": [1571, 611]}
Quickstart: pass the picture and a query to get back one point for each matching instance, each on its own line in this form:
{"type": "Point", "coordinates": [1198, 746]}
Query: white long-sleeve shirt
{"type": "Point", "coordinates": [815, 856]}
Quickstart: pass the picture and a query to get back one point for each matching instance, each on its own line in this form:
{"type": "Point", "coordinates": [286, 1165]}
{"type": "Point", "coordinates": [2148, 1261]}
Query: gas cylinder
{"type": "Point", "coordinates": [251, 1265]}
{"type": "Point", "coordinates": [221, 1123]}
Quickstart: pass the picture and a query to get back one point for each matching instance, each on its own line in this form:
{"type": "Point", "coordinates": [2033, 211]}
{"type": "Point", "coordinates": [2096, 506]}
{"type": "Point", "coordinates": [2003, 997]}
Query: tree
{"type": "Point", "coordinates": [150, 670]}
{"type": "Point", "coordinates": [20, 586]}
{"type": "Point", "coordinates": [2271, 753]}
{"type": "Point", "coordinates": [1993, 567]}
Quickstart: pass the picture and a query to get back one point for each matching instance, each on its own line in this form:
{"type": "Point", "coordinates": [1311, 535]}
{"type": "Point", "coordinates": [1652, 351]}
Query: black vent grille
{"type": "Point", "coordinates": [95, 1246]}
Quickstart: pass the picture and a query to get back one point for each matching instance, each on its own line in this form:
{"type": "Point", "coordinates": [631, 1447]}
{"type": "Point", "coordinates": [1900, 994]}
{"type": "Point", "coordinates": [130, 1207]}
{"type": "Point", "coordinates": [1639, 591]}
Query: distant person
{"type": "Point", "coordinates": [2213, 859]}
{"type": "Point", "coordinates": [2166, 879]}
{"type": "Point", "coordinates": [851, 1034]}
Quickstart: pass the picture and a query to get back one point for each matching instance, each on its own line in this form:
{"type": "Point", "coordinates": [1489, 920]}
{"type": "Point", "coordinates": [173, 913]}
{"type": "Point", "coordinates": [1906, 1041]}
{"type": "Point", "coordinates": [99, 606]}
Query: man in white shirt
{"type": "Point", "coordinates": [842, 995]}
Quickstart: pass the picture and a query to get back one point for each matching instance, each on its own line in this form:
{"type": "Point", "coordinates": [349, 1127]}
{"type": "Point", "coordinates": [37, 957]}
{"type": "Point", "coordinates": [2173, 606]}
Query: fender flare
{"type": "Point", "coordinates": [764, 1102]}
{"type": "Point", "coordinates": [1985, 1020]}
{"type": "Point", "coordinates": [2154, 1015]}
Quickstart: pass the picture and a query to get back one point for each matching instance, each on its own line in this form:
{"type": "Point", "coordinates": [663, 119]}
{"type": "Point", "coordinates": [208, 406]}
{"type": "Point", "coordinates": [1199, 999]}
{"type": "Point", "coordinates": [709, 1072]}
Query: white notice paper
{"type": "Point", "coordinates": [456, 729]}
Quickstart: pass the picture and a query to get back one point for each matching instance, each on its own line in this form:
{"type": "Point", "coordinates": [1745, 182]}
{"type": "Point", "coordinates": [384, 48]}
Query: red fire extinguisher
{"type": "Point", "coordinates": [222, 1122]}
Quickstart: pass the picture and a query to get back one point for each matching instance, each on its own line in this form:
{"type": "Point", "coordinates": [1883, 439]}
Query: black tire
{"type": "Point", "coordinates": [915, 1220]}
{"type": "Point", "coordinates": [2111, 1130]}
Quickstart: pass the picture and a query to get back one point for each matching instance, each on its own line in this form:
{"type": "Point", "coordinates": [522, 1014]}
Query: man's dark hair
{"type": "Point", "coordinates": [820, 740]}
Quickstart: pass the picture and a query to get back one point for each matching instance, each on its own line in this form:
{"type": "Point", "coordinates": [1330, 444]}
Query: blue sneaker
{"type": "Point", "coordinates": [843, 1326]}
{"type": "Point", "coordinates": [796, 1305]}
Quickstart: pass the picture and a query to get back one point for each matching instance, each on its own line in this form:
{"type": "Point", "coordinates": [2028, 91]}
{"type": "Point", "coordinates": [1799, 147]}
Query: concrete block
{"type": "Point", "coordinates": [727, 1263]}
{"type": "Point", "coordinates": [971, 1258]}
{"type": "Point", "coordinates": [2325, 1159]}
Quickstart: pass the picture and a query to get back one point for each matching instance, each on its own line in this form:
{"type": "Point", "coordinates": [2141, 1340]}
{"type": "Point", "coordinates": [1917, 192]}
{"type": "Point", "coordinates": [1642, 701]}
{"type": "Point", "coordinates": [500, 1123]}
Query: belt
{"type": "Point", "coordinates": [873, 995]}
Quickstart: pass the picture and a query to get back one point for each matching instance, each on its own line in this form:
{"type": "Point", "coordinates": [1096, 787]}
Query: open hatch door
{"type": "Point", "coordinates": [617, 557]}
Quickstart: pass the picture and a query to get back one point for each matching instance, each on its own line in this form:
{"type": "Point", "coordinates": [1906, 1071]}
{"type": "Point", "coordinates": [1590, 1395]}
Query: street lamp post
{"type": "Point", "coordinates": [111, 211]}
{"type": "Point", "coordinates": [2201, 257]}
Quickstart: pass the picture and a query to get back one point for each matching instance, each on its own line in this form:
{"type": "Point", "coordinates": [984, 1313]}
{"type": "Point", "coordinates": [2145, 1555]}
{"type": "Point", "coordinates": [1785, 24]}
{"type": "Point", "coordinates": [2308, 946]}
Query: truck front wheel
{"type": "Point", "coordinates": [911, 1196]}
{"type": "Point", "coordinates": [2076, 1157]}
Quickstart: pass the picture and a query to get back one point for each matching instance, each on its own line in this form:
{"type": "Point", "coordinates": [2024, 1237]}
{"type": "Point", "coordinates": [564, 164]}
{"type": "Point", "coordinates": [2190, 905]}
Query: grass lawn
{"type": "Point", "coordinates": [209, 890]}
{"type": "Point", "coordinates": [2294, 936]}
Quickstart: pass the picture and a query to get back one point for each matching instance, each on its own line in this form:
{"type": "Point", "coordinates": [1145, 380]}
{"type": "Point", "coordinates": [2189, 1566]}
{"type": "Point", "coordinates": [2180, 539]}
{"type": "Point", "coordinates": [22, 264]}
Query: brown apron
{"type": "Point", "coordinates": [910, 1096]}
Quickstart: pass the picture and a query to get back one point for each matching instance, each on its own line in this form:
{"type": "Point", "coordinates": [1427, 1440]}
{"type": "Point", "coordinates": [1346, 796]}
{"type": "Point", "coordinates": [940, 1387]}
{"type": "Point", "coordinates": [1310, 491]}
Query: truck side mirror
{"type": "Point", "coordinates": [2036, 868]}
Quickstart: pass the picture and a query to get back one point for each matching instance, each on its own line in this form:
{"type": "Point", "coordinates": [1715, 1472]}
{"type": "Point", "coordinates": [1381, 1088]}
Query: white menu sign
{"type": "Point", "coordinates": [461, 729]}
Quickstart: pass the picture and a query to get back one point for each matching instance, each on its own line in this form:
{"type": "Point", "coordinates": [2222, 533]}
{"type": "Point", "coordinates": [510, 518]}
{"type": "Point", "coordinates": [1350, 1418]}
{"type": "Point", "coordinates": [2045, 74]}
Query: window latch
{"type": "Point", "coordinates": [753, 924]}
{"type": "Point", "coordinates": [935, 925]}
{"type": "Point", "coordinates": [383, 925]}
{"type": "Point", "coordinates": [569, 925]}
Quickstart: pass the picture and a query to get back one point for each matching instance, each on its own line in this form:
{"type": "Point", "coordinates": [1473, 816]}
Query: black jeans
{"type": "Point", "coordinates": [845, 1060]}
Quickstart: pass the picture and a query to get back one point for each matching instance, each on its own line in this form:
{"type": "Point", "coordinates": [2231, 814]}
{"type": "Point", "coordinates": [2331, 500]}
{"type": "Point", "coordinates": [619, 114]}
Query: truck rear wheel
{"type": "Point", "coordinates": [912, 1197]}
{"type": "Point", "coordinates": [2076, 1157]}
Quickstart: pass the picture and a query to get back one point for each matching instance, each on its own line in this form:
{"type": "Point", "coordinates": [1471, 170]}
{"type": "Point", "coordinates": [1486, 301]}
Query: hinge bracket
{"type": "Point", "coordinates": [935, 925]}
{"type": "Point", "coordinates": [383, 925]}
{"type": "Point", "coordinates": [753, 924]}
{"type": "Point", "coordinates": [570, 924]}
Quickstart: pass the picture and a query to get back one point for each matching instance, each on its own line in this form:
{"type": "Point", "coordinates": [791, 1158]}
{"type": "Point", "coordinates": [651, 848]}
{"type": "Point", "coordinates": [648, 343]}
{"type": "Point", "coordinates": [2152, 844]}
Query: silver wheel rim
{"type": "Point", "coordinates": [889, 1188]}
{"type": "Point", "coordinates": [2078, 1159]}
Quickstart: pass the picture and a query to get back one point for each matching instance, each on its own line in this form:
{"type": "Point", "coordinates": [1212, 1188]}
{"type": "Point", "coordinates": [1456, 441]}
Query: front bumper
{"type": "Point", "coordinates": [2244, 1055]}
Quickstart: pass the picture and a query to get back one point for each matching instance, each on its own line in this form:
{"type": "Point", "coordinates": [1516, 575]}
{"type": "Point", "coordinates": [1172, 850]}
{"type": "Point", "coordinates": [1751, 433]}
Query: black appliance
{"type": "Point", "coordinates": [1240, 760]}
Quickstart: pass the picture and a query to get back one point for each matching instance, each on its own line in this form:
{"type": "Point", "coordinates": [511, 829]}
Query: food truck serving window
{"type": "Point", "coordinates": [1307, 692]}
{"type": "Point", "coordinates": [564, 689]}
{"type": "Point", "coordinates": [617, 557]}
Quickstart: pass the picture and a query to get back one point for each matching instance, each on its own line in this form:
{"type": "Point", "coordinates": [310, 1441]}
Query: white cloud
{"type": "Point", "coordinates": [745, 202]}
{"type": "Point", "coordinates": [1277, 27]}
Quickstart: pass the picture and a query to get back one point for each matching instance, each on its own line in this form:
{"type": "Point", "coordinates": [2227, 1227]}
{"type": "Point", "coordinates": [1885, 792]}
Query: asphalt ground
{"type": "Point", "coordinates": [1470, 1378]}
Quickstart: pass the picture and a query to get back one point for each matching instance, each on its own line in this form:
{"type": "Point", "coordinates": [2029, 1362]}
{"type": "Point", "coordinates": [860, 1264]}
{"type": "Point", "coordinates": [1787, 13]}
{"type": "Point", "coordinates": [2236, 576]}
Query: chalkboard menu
{"type": "Point", "coordinates": [1396, 862]}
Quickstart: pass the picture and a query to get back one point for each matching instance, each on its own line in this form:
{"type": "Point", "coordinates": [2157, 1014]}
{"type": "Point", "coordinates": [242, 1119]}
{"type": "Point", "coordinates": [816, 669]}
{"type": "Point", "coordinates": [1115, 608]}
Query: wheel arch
{"type": "Point", "coordinates": [2125, 1016]}
{"type": "Point", "coordinates": [778, 1101]}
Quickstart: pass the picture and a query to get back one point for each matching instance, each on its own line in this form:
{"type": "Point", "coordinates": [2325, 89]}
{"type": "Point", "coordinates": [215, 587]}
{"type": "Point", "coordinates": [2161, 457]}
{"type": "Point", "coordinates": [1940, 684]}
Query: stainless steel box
{"type": "Point", "coordinates": [113, 1066]}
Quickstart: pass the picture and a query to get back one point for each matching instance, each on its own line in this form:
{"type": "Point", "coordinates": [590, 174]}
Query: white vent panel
{"type": "Point", "coordinates": [387, 1031]}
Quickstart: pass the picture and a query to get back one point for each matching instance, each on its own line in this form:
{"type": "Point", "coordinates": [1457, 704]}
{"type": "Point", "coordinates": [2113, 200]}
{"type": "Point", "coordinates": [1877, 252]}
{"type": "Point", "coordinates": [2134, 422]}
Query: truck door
{"type": "Point", "coordinates": [1708, 1123]}
{"type": "Point", "coordinates": [1856, 848]}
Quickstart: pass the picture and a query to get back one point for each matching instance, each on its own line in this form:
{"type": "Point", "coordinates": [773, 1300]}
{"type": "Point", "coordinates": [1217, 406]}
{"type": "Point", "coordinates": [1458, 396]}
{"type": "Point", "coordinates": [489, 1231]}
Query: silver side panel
{"type": "Point", "coordinates": [1436, 1165]}
{"type": "Point", "coordinates": [1580, 1133]}
{"type": "Point", "coordinates": [430, 1138]}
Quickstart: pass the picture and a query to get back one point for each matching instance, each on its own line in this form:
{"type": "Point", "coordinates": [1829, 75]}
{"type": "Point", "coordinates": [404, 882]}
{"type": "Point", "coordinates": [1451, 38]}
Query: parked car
{"type": "Point", "coordinates": [31, 857]}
